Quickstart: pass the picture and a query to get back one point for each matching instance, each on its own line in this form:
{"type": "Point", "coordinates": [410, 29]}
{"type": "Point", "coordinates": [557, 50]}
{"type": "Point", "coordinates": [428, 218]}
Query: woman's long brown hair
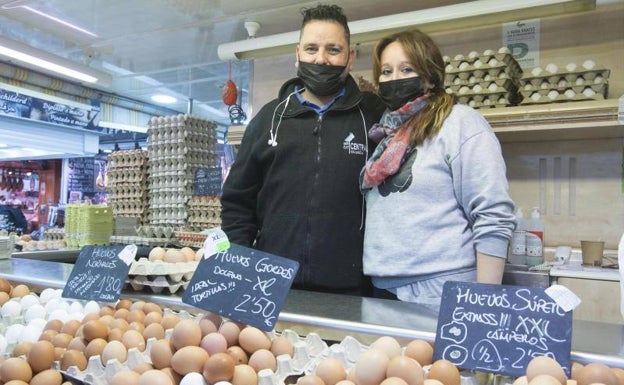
{"type": "Point", "coordinates": [427, 60]}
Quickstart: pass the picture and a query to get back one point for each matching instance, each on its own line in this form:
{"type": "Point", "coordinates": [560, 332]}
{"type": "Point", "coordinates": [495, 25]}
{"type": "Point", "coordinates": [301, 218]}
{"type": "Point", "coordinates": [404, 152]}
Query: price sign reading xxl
{"type": "Point", "coordinates": [242, 284]}
{"type": "Point", "coordinates": [100, 273]}
{"type": "Point", "coordinates": [500, 328]}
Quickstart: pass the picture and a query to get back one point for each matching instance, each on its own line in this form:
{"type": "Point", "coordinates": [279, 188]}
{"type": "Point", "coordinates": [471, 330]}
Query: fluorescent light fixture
{"type": "Point", "coordinates": [122, 126]}
{"type": "Point", "coordinates": [446, 18]}
{"type": "Point", "coordinates": [164, 99]}
{"type": "Point", "coordinates": [27, 56]}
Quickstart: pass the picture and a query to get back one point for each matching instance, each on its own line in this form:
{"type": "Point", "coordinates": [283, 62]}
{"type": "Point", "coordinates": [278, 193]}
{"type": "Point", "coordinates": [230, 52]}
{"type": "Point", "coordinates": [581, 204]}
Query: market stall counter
{"type": "Point", "coordinates": [335, 316]}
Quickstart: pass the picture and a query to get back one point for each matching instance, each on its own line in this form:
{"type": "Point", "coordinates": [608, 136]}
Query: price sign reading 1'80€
{"type": "Point", "coordinates": [100, 272]}
{"type": "Point", "coordinates": [242, 284]}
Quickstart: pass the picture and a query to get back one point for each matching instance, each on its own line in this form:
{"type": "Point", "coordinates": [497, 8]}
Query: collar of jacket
{"type": "Point", "coordinates": [351, 98]}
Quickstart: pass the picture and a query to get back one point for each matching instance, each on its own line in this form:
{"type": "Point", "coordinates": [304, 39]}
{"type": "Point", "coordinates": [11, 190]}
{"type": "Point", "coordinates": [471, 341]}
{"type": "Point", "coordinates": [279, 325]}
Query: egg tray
{"type": "Point", "coordinates": [543, 99]}
{"type": "Point", "coordinates": [174, 271]}
{"type": "Point", "coordinates": [499, 71]}
{"type": "Point", "coordinates": [502, 60]}
{"type": "Point", "coordinates": [602, 89]}
{"type": "Point", "coordinates": [160, 285]}
{"type": "Point", "coordinates": [191, 239]}
{"type": "Point", "coordinates": [490, 100]}
{"type": "Point", "coordinates": [570, 77]}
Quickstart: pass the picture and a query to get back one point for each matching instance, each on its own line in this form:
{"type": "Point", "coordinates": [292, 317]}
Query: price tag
{"type": "Point", "coordinates": [215, 242]}
{"type": "Point", "coordinates": [500, 328]}
{"type": "Point", "coordinates": [99, 273]}
{"type": "Point", "coordinates": [242, 284]}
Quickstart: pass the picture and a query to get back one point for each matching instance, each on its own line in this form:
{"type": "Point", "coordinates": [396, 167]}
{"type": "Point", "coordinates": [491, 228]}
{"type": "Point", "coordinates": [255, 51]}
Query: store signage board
{"type": "Point", "coordinates": [100, 273]}
{"type": "Point", "coordinates": [208, 181]}
{"type": "Point", "coordinates": [242, 284]}
{"type": "Point", "coordinates": [500, 328]}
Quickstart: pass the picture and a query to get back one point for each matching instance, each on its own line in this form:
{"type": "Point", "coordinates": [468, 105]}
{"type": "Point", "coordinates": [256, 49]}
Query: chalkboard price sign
{"type": "Point", "coordinates": [500, 328]}
{"type": "Point", "coordinates": [242, 284]}
{"type": "Point", "coordinates": [100, 273]}
{"type": "Point", "coordinates": [208, 181]}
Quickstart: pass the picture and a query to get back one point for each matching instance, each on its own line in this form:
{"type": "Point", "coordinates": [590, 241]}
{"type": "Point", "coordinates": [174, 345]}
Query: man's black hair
{"type": "Point", "coordinates": [327, 13]}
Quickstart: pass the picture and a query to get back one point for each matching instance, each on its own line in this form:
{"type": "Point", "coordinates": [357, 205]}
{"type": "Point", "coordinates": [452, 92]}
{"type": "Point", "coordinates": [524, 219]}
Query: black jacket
{"type": "Point", "coordinates": [300, 199]}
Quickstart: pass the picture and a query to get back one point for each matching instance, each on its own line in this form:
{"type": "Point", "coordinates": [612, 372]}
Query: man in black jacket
{"type": "Point", "coordinates": [293, 189]}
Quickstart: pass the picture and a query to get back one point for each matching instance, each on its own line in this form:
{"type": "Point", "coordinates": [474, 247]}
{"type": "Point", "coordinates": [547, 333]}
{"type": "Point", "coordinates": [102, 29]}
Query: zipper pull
{"type": "Point", "coordinates": [317, 127]}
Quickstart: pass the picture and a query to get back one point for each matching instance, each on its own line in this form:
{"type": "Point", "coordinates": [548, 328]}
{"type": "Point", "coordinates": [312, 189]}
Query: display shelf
{"type": "Point", "coordinates": [596, 119]}
{"type": "Point", "coordinates": [335, 316]}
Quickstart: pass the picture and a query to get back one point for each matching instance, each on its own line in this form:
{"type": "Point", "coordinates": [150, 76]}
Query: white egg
{"type": "Point", "coordinates": [571, 67]}
{"type": "Point", "coordinates": [448, 68]}
{"type": "Point", "coordinates": [488, 52]}
{"type": "Point", "coordinates": [536, 71]}
{"type": "Point", "coordinates": [446, 58]}
{"type": "Point", "coordinates": [457, 80]}
{"type": "Point", "coordinates": [562, 83]}
{"type": "Point", "coordinates": [552, 68]}
{"type": "Point", "coordinates": [552, 95]}
{"type": "Point", "coordinates": [487, 77]}
{"type": "Point", "coordinates": [29, 300]}
{"type": "Point", "coordinates": [545, 84]}
{"type": "Point", "coordinates": [59, 314]}
{"type": "Point", "coordinates": [459, 57]}
{"type": "Point", "coordinates": [472, 79]}
{"type": "Point", "coordinates": [528, 86]}
{"type": "Point", "coordinates": [11, 308]}
{"type": "Point", "coordinates": [78, 316]}
{"type": "Point", "coordinates": [535, 96]}
{"type": "Point", "coordinates": [75, 307]}
{"type": "Point", "coordinates": [504, 50]}
{"type": "Point", "coordinates": [463, 65]}
{"type": "Point", "coordinates": [46, 295]}
{"type": "Point", "coordinates": [492, 87]}
{"type": "Point", "coordinates": [487, 102]}
{"type": "Point", "coordinates": [464, 89]}
{"type": "Point", "coordinates": [30, 334]}
{"type": "Point", "coordinates": [91, 307]}
{"type": "Point", "coordinates": [473, 54]}
{"type": "Point", "coordinates": [569, 93]}
{"type": "Point", "coordinates": [193, 378]}
{"type": "Point", "coordinates": [34, 312]}
{"type": "Point", "coordinates": [589, 64]}
{"type": "Point", "coordinates": [477, 88]}
{"type": "Point", "coordinates": [54, 304]}
{"type": "Point", "coordinates": [13, 333]}
{"type": "Point", "coordinates": [502, 100]}
{"type": "Point", "coordinates": [3, 344]}
{"type": "Point", "coordinates": [472, 103]}
{"type": "Point", "coordinates": [477, 63]}
{"type": "Point", "coordinates": [598, 79]}
{"type": "Point", "coordinates": [39, 323]}
{"type": "Point", "coordinates": [588, 91]}
{"type": "Point", "coordinates": [493, 62]}
{"type": "Point", "coordinates": [580, 81]}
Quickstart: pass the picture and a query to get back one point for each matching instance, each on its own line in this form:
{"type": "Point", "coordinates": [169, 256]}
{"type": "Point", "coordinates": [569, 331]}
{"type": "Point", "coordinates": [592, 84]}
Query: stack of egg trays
{"type": "Point", "coordinates": [160, 277]}
{"type": "Point", "coordinates": [205, 213]}
{"type": "Point", "coordinates": [177, 146]}
{"type": "Point", "coordinates": [487, 80]}
{"type": "Point", "coordinates": [126, 178]}
{"type": "Point", "coordinates": [564, 86]}
{"type": "Point", "coordinates": [306, 349]}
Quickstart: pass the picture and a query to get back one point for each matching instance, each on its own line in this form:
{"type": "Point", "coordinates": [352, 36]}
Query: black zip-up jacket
{"type": "Point", "coordinates": [300, 199]}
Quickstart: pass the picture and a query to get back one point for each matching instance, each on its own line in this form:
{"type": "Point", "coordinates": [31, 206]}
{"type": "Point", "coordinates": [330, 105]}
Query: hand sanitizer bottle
{"type": "Point", "coordinates": [535, 239]}
{"type": "Point", "coordinates": [517, 247]}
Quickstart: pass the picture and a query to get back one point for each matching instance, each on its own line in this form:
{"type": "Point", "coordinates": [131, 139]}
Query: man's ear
{"type": "Point", "coordinates": [351, 62]}
{"type": "Point", "coordinates": [297, 56]}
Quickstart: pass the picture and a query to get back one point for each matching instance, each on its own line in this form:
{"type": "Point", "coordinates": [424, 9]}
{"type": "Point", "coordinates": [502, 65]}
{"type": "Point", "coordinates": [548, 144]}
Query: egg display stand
{"type": "Point", "coordinates": [126, 178]}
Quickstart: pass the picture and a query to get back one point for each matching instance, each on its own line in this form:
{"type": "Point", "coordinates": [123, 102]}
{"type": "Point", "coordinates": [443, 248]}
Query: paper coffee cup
{"type": "Point", "coordinates": [592, 252]}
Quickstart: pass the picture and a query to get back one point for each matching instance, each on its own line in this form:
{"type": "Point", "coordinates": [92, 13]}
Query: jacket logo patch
{"type": "Point", "coordinates": [353, 148]}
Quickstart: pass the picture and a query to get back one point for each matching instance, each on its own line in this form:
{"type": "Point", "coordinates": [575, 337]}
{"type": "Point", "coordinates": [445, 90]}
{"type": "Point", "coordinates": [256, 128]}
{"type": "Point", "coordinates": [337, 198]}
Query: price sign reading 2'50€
{"type": "Point", "coordinates": [99, 273]}
{"type": "Point", "coordinates": [242, 284]}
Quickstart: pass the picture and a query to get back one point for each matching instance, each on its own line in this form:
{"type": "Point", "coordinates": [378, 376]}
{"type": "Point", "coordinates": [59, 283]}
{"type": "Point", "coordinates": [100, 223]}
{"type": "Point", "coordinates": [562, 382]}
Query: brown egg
{"type": "Point", "coordinates": [61, 340]}
{"type": "Point", "coordinates": [138, 326]}
{"type": "Point", "coordinates": [155, 377]}
{"type": "Point", "coordinates": [77, 343]}
{"type": "Point", "coordinates": [95, 329]}
{"type": "Point", "coordinates": [133, 339]}
{"type": "Point", "coordinates": [119, 323]}
{"type": "Point", "coordinates": [121, 313]}
{"type": "Point", "coordinates": [19, 291]}
{"type": "Point", "coordinates": [73, 358]}
{"type": "Point", "coordinates": [41, 356]}
{"type": "Point", "coordinates": [407, 369]}
{"type": "Point", "coordinates": [262, 359]}
{"type": "Point", "coordinates": [393, 381]}
{"type": "Point", "coordinates": [21, 349]}
{"type": "Point", "coordinates": [345, 382]}
{"type": "Point", "coordinates": [89, 317]}
{"type": "Point", "coordinates": [95, 347]}
{"type": "Point", "coordinates": [152, 317]}
{"type": "Point", "coordinates": [5, 286]}
{"type": "Point", "coordinates": [58, 353]}
{"type": "Point", "coordinates": [218, 367]}
{"type": "Point", "coordinates": [371, 366]}
{"type": "Point", "coordinates": [54, 324]}
{"type": "Point", "coordinates": [230, 331]}
{"type": "Point", "coordinates": [282, 345]}
{"type": "Point", "coordinates": [136, 315]}
{"type": "Point", "coordinates": [619, 373]}
{"type": "Point", "coordinates": [4, 298]}
{"type": "Point", "coordinates": [15, 369]}
{"type": "Point", "coordinates": [156, 254]}
{"type": "Point", "coordinates": [545, 365]}
{"type": "Point", "coordinates": [169, 321]}
{"type": "Point", "coordinates": [161, 353]}
{"type": "Point", "coordinates": [421, 351]}
{"type": "Point", "coordinates": [174, 256]}
{"type": "Point", "coordinates": [125, 377]}
{"type": "Point", "coordinates": [252, 339]}
{"type": "Point", "coordinates": [154, 330]}
{"type": "Point", "coordinates": [597, 373]}
{"type": "Point", "coordinates": [522, 380]}
{"type": "Point", "coordinates": [115, 334]}
{"type": "Point", "coordinates": [189, 254]}
{"type": "Point", "coordinates": [310, 379]}
{"type": "Point", "coordinates": [151, 307]}
{"type": "Point", "coordinates": [123, 304]}
{"type": "Point", "coordinates": [143, 367]}
{"type": "Point", "coordinates": [544, 379]}
{"type": "Point", "coordinates": [431, 381]}
{"type": "Point", "coordinates": [244, 375]}
{"type": "Point", "coordinates": [175, 377]}
{"type": "Point", "coordinates": [70, 327]}
{"type": "Point", "coordinates": [189, 359]}
{"type": "Point", "coordinates": [575, 369]}
{"type": "Point", "coordinates": [331, 370]}
{"type": "Point", "coordinates": [445, 372]}
{"type": "Point", "coordinates": [47, 377]}
{"type": "Point", "coordinates": [186, 333]}
{"type": "Point", "coordinates": [138, 305]}
{"type": "Point", "coordinates": [114, 350]}
{"type": "Point", "coordinates": [207, 326]}
{"type": "Point", "coordinates": [106, 310]}
{"type": "Point", "coordinates": [238, 354]}
{"type": "Point", "coordinates": [47, 335]}
{"type": "Point", "coordinates": [214, 343]}
{"type": "Point", "coordinates": [389, 345]}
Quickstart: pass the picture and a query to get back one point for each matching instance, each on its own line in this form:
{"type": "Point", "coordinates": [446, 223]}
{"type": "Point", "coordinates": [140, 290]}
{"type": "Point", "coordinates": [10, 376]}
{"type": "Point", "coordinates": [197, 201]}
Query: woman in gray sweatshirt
{"type": "Point", "coordinates": [437, 197]}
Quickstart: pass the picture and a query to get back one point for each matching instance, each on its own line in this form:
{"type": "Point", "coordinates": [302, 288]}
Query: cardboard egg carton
{"type": "Point", "coordinates": [158, 285]}
{"type": "Point", "coordinates": [582, 76]}
{"type": "Point", "coordinates": [191, 239]}
{"type": "Point", "coordinates": [569, 94]}
{"type": "Point", "coordinates": [175, 272]}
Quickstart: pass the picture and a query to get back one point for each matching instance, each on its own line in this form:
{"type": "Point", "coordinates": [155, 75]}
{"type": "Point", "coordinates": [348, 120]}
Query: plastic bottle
{"type": "Point", "coordinates": [534, 239]}
{"type": "Point", "coordinates": [517, 247]}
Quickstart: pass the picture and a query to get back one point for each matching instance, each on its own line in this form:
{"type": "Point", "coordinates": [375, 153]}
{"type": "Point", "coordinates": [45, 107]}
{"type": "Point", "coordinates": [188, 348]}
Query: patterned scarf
{"type": "Point", "coordinates": [393, 146]}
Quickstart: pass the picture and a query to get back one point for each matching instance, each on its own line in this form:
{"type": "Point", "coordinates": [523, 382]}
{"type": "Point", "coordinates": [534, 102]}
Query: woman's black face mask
{"type": "Point", "coordinates": [396, 93]}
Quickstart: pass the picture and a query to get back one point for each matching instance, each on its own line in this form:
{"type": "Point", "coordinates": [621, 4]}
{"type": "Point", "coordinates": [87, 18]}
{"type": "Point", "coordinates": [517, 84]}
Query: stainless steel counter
{"type": "Point", "coordinates": [335, 316]}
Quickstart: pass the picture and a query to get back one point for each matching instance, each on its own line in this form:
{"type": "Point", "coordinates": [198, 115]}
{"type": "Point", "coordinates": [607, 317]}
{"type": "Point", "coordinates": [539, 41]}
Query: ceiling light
{"type": "Point", "coordinates": [446, 18]}
{"type": "Point", "coordinates": [164, 99]}
{"type": "Point", "coordinates": [30, 57]}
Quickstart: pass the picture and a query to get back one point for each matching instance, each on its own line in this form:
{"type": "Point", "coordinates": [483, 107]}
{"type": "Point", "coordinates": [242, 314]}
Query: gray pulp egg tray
{"type": "Point", "coordinates": [564, 86]}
